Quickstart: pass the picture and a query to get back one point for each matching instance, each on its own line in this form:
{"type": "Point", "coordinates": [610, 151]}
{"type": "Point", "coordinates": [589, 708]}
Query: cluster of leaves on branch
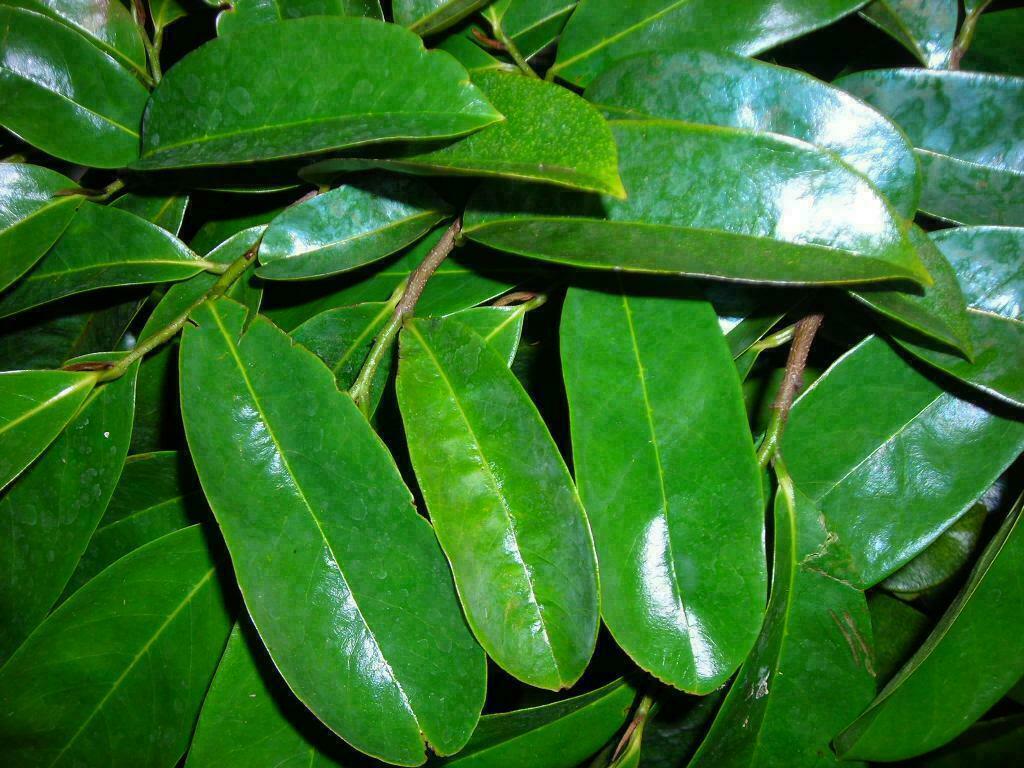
{"type": "Point", "coordinates": [517, 383]}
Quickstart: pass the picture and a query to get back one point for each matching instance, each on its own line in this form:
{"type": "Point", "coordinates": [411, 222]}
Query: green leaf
{"type": "Point", "coordinates": [425, 17]}
{"type": "Point", "coordinates": [601, 32]}
{"type": "Point", "coordinates": [102, 247]}
{"type": "Point", "coordinates": [502, 502]}
{"type": "Point", "coordinates": [34, 408]}
{"type": "Point", "coordinates": [549, 135]}
{"type": "Point", "coordinates": [963, 128]}
{"type": "Point", "coordinates": [532, 25]}
{"type": "Point", "coordinates": [107, 24]}
{"type": "Point", "coordinates": [559, 735]}
{"type": "Point", "coordinates": [50, 513]}
{"type": "Point", "coordinates": [117, 674]}
{"type": "Point", "coordinates": [727, 90]}
{"type": "Point", "coordinates": [222, 105]}
{"type": "Point", "coordinates": [891, 458]}
{"type": "Point", "coordinates": [926, 28]}
{"type": "Point", "coordinates": [898, 631]}
{"type": "Point", "coordinates": [156, 494]}
{"type": "Point", "coordinates": [690, 488]}
{"type": "Point", "coordinates": [166, 211]}
{"type": "Point", "coordinates": [348, 227]}
{"type": "Point", "coordinates": [996, 46]}
{"type": "Point", "coordinates": [243, 14]}
{"type": "Point", "coordinates": [383, 678]}
{"type": "Point", "coordinates": [814, 657]}
{"type": "Point", "coordinates": [989, 263]}
{"type": "Point", "coordinates": [96, 102]}
{"type": "Point", "coordinates": [965, 666]}
{"type": "Point", "coordinates": [33, 213]}
{"type": "Point", "coordinates": [165, 12]}
{"type": "Point", "coordinates": [769, 209]}
{"type": "Point", "coordinates": [943, 559]}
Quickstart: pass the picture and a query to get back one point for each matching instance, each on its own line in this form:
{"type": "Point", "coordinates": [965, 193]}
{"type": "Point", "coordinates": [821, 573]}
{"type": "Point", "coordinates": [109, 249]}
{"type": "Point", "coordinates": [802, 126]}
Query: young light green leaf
{"type": "Point", "coordinates": [50, 513]}
{"type": "Point", "coordinates": [348, 227]}
{"type": "Point", "coordinates": [502, 502]}
{"type": "Point", "coordinates": [102, 247]}
{"type": "Point", "coordinates": [719, 88]}
{"type": "Point", "coordinates": [242, 14]}
{"type": "Point", "coordinates": [137, 646]}
{"type": "Point", "coordinates": [384, 679]}
{"type": "Point", "coordinates": [166, 211]}
{"type": "Point", "coordinates": [34, 408]}
{"type": "Point", "coordinates": [814, 624]}
{"type": "Point", "coordinates": [549, 135]}
{"type": "Point", "coordinates": [989, 263]}
{"type": "Point", "coordinates": [601, 32]}
{"type": "Point", "coordinates": [401, 91]}
{"type": "Point", "coordinates": [531, 25]}
{"type": "Point", "coordinates": [33, 213]}
{"type": "Point", "coordinates": [926, 28]}
{"type": "Point", "coordinates": [690, 490]}
{"type": "Point", "coordinates": [965, 666]}
{"type": "Point", "coordinates": [891, 458]}
{"type": "Point", "coordinates": [963, 128]}
{"type": "Point", "coordinates": [425, 17]}
{"type": "Point", "coordinates": [96, 102]}
{"type": "Point", "coordinates": [771, 209]}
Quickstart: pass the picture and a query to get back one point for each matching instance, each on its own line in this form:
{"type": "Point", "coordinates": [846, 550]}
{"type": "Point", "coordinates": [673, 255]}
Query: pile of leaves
{"type": "Point", "coordinates": [524, 383]}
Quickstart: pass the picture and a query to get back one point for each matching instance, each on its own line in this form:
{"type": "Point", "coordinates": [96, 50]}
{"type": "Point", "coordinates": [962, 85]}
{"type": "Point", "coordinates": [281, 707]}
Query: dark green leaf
{"type": "Point", "coordinates": [117, 674]}
{"type": "Point", "coordinates": [50, 513]}
{"type": "Point", "coordinates": [713, 201]}
{"type": "Point", "coordinates": [967, 664]}
{"type": "Point", "coordinates": [357, 610]}
{"type": "Point", "coordinates": [532, 25]}
{"type": "Point", "coordinates": [166, 211]}
{"type": "Point", "coordinates": [690, 489]}
{"type": "Point", "coordinates": [52, 76]}
{"type": "Point", "coordinates": [242, 14]}
{"type": "Point", "coordinates": [375, 83]}
{"type": "Point", "coordinates": [964, 127]}
{"type": "Point", "coordinates": [989, 262]}
{"type": "Point", "coordinates": [728, 90]}
{"type": "Point", "coordinates": [603, 31]}
{"type": "Point", "coordinates": [891, 458]}
{"type": "Point", "coordinates": [348, 227]}
{"type": "Point", "coordinates": [812, 669]}
{"type": "Point", "coordinates": [425, 17]}
{"type": "Point", "coordinates": [996, 46]}
{"type": "Point", "coordinates": [503, 504]}
{"type": "Point", "coordinates": [102, 247]}
{"type": "Point", "coordinates": [926, 28]}
{"type": "Point", "coordinates": [898, 631]}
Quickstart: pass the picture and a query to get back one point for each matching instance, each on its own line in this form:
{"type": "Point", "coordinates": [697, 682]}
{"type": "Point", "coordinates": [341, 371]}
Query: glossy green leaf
{"type": "Point", "coordinates": [898, 630]}
{"type": "Point", "coordinates": [531, 25]}
{"type": "Point", "coordinates": [425, 17]}
{"type": "Point", "coordinates": [34, 407]}
{"type": "Point", "coordinates": [996, 46]}
{"type": "Point", "coordinates": [891, 458]}
{"type": "Point", "coordinates": [502, 502]}
{"type": "Point", "coordinates": [559, 735]}
{"type": "Point", "coordinates": [689, 491]}
{"type": "Point", "coordinates": [967, 664]}
{"type": "Point", "coordinates": [964, 127]}
{"type": "Point", "coordinates": [156, 494]}
{"type": "Point", "coordinates": [943, 559]}
{"type": "Point", "coordinates": [242, 14]}
{"type": "Point", "coordinates": [325, 604]}
{"type": "Point", "coordinates": [732, 91]}
{"type": "Point", "coordinates": [244, 119]}
{"type": "Point", "coordinates": [814, 657]}
{"type": "Point", "coordinates": [348, 227]}
{"type": "Point", "coordinates": [601, 32]}
{"type": "Point", "coordinates": [500, 327]}
{"type": "Point", "coordinates": [107, 24]}
{"type": "Point", "coordinates": [117, 674]}
{"type": "Point", "coordinates": [96, 102]}
{"type": "Point", "coordinates": [549, 134]}
{"type": "Point", "coordinates": [166, 211]}
{"type": "Point", "coordinates": [770, 209]}
{"type": "Point", "coordinates": [926, 28]}
{"type": "Point", "coordinates": [33, 213]}
{"type": "Point", "coordinates": [163, 13]}
{"type": "Point", "coordinates": [989, 262]}
{"type": "Point", "coordinates": [50, 513]}
{"type": "Point", "coordinates": [102, 247]}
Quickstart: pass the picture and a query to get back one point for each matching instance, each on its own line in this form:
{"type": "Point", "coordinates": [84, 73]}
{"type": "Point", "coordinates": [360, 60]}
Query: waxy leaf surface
{"type": "Point", "coordinates": [117, 674]}
{"type": "Point", "coordinates": [926, 28]}
{"type": "Point", "coordinates": [966, 665]}
{"type": "Point", "coordinates": [502, 502]}
{"type": "Point", "coordinates": [96, 102]}
{"type": "Point", "coordinates": [425, 17]}
{"type": "Point", "coordinates": [769, 209]}
{"type": "Point", "coordinates": [665, 465]}
{"type": "Point", "coordinates": [357, 609]}
{"type": "Point", "coordinates": [221, 104]}
{"type": "Point", "coordinates": [603, 31]}
{"type": "Point", "coordinates": [891, 458]}
{"type": "Point", "coordinates": [248, 13]}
